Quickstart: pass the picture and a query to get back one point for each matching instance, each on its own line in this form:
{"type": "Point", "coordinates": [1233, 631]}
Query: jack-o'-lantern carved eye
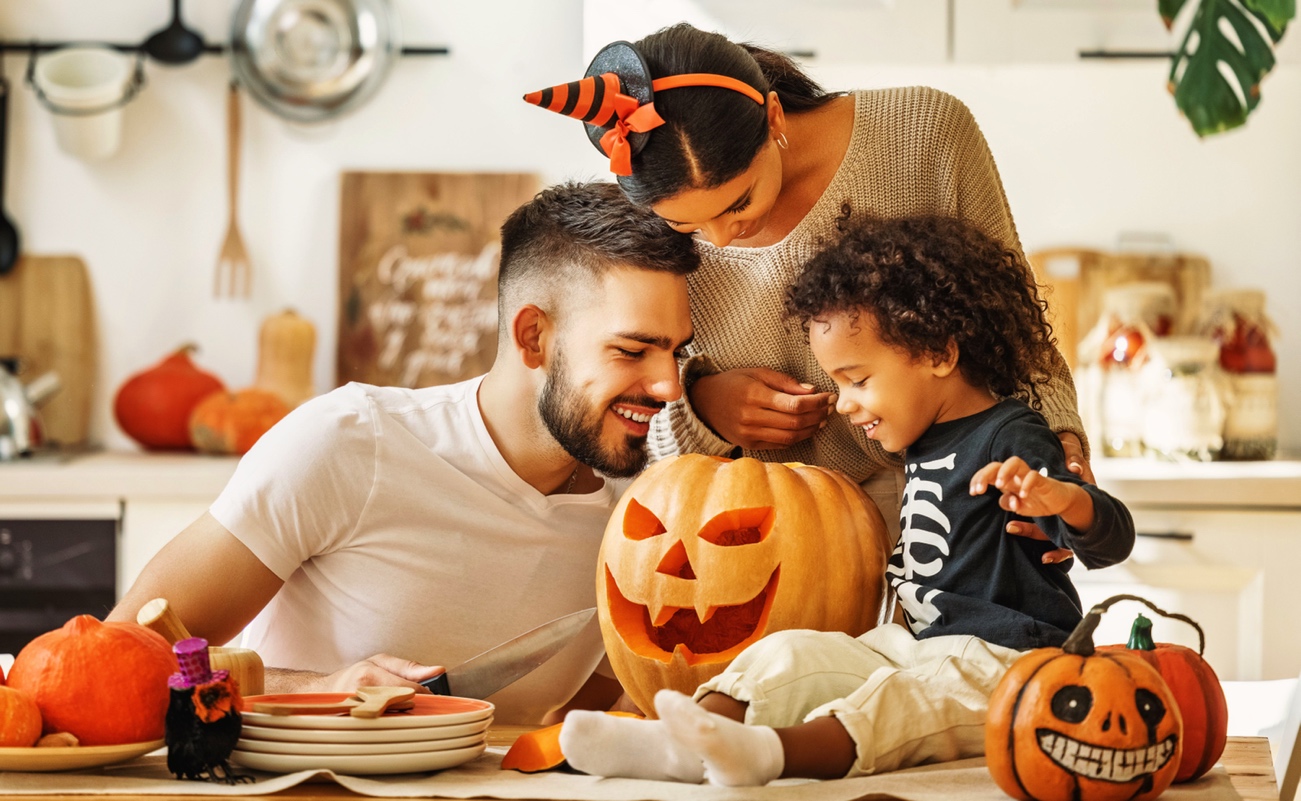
{"type": "Point", "coordinates": [640, 523]}
{"type": "Point", "coordinates": [738, 527]}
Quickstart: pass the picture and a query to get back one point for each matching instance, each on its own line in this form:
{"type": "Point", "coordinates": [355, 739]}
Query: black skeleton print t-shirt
{"type": "Point", "coordinates": [956, 570]}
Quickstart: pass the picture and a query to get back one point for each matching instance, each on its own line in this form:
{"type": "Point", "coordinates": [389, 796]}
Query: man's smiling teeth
{"type": "Point", "coordinates": [634, 416]}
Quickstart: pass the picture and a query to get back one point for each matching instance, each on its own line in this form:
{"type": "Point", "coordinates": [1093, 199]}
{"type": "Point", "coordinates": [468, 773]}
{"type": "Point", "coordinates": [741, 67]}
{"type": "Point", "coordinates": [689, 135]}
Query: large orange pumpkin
{"type": "Point", "coordinates": [20, 719]}
{"type": "Point", "coordinates": [703, 556]}
{"type": "Point", "coordinates": [226, 422]}
{"type": "Point", "coordinates": [1079, 724]}
{"type": "Point", "coordinates": [153, 407]}
{"type": "Point", "coordinates": [105, 683]}
{"type": "Point", "coordinates": [1195, 686]}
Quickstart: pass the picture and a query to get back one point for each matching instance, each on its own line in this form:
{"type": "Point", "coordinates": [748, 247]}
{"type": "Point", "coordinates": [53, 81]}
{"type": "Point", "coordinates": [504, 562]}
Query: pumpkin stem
{"type": "Point", "coordinates": [1080, 642]}
{"type": "Point", "coordinates": [1107, 604]}
{"type": "Point", "coordinates": [1140, 636]}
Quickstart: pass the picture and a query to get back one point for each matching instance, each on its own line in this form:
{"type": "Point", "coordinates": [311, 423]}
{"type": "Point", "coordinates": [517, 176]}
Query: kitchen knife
{"type": "Point", "coordinates": [497, 667]}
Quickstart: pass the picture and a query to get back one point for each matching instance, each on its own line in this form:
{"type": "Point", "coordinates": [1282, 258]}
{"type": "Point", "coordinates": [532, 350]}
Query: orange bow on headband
{"type": "Point", "coordinates": [599, 101]}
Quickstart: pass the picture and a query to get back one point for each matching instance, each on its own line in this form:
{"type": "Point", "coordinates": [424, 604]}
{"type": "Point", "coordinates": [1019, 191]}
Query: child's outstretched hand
{"type": "Point", "coordinates": [1033, 494]}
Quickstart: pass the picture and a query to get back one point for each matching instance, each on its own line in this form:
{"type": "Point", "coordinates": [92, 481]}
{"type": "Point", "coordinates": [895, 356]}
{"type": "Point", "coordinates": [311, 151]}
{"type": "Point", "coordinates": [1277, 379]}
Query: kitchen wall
{"type": "Point", "coordinates": [1086, 150]}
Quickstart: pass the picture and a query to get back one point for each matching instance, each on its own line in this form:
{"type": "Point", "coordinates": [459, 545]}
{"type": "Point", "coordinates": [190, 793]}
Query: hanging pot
{"type": "Point", "coordinates": [312, 60]}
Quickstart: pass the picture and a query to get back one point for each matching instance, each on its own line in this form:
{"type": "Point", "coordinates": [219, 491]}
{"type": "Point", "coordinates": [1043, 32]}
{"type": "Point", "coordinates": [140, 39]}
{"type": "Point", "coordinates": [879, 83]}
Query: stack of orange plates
{"type": "Point", "coordinates": [438, 732]}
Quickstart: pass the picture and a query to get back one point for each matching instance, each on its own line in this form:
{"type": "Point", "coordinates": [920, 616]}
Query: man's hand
{"type": "Point", "coordinates": [758, 408]}
{"type": "Point", "coordinates": [380, 670]}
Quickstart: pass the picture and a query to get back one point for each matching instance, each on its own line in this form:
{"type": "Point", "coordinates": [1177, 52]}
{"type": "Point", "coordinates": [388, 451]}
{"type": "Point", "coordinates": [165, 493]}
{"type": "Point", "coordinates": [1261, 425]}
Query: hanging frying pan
{"type": "Point", "coordinates": [312, 60]}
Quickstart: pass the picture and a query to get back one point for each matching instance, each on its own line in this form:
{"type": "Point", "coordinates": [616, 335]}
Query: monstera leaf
{"type": "Point", "coordinates": [1215, 77]}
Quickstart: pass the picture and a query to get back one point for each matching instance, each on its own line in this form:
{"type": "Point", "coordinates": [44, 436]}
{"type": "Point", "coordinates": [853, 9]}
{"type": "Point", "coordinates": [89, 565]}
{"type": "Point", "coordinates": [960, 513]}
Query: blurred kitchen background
{"type": "Point", "coordinates": [1090, 149]}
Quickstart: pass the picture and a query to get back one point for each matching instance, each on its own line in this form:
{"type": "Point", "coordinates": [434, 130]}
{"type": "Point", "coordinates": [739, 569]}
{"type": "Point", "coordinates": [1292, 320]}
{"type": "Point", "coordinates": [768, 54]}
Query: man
{"type": "Point", "coordinates": [379, 533]}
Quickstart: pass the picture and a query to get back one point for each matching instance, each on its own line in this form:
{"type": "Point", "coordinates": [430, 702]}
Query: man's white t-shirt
{"type": "Point", "coordinates": [398, 527]}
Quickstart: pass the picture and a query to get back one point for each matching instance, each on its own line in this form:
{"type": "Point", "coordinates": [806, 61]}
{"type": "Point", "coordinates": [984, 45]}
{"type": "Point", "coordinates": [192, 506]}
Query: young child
{"type": "Point", "coordinates": [936, 340]}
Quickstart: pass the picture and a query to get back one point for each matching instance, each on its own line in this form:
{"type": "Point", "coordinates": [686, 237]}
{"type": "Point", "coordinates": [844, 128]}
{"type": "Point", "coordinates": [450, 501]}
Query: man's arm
{"type": "Point", "coordinates": [210, 579]}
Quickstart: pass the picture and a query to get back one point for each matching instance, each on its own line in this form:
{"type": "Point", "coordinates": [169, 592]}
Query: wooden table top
{"type": "Point", "coordinates": [1247, 759]}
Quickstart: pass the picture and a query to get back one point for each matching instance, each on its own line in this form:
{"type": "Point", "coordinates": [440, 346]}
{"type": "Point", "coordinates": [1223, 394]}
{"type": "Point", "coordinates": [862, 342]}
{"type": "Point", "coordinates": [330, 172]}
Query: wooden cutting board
{"type": "Point", "coordinates": [418, 257]}
{"type": "Point", "coordinates": [47, 320]}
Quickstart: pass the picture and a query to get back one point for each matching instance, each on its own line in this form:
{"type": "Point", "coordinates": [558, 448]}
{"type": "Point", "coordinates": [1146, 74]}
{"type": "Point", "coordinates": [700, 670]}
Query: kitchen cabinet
{"type": "Point", "coordinates": [153, 496]}
{"type": "Point", "coordinates": [1219, 542]}
{"type": "Point", "coordinates": [1046, 31]}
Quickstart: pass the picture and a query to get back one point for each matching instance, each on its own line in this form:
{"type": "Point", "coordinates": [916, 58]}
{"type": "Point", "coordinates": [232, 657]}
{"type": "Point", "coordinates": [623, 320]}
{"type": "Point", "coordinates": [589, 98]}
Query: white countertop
{"type": "Point", "coordinates": [117, 475]}
{"type": "Point", "coordinates": [1274, 484]}
{"type": "Point", "coordinates": [186, 476]}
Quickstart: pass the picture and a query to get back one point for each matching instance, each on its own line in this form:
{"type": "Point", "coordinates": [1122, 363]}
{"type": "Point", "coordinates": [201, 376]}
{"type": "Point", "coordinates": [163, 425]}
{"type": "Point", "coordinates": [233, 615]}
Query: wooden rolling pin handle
{"type": "Point", "coordinates": [158, 615]}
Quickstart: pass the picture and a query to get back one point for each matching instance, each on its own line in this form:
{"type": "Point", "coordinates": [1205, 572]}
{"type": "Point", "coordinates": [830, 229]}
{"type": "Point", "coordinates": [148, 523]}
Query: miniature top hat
{"type": "Point", "coordinates": [616, 101]}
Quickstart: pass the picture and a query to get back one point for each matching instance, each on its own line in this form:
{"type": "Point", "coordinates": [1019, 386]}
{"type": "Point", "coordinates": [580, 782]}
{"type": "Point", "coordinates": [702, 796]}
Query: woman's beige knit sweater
{"type": "Point", "coordinates": [913, 151]}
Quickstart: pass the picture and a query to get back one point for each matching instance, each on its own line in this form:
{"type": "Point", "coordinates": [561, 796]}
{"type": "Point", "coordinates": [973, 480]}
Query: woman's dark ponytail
{"type": "Point", "coordinates": [796, 90]}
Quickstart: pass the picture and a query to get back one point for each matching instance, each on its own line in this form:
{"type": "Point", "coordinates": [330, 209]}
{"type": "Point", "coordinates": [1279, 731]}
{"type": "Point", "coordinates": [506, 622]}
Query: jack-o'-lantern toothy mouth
{"type": "Point", "coordinates": [717, 635]}
{"type": "Point", "coordinates": [1119, 765]}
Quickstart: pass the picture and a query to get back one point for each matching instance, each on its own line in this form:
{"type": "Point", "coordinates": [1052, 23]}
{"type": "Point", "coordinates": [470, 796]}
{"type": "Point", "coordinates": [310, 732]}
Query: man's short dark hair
{"type": "Point", "coordinates": [576, 228]}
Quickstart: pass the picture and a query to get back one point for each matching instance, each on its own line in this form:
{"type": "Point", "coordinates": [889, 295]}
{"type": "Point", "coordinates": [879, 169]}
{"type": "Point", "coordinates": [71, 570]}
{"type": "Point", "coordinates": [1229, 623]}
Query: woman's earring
{"type": "Point", "coordinates": [781, 141]}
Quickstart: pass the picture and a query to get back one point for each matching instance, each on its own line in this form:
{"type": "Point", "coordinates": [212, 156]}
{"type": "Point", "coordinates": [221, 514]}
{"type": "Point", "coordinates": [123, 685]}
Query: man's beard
{"type": "Point", "coordinates": [578, 426]}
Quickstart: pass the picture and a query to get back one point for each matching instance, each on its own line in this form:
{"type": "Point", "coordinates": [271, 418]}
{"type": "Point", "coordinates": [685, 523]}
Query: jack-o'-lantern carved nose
{"type": "Point", "coordinates": [676, 563]}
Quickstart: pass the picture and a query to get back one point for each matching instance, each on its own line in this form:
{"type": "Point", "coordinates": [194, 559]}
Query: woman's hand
{"type": "Point", "coordinates": [1075, 461]}
{"type": "Point", "coordinates": [758, 408]}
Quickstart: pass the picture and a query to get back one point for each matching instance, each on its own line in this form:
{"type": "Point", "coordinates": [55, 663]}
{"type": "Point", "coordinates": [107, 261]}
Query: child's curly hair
{"type": "Point", "coordinates": [928, 281]}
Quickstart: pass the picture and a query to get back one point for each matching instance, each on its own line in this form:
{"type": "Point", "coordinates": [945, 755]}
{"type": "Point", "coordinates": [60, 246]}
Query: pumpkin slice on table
{"type": "Point", "coordinates": [539, 750]}
{"type": "Point", "coordinates": [1082, 724]}
{"type": "Point", "coordinates": [20, 719]}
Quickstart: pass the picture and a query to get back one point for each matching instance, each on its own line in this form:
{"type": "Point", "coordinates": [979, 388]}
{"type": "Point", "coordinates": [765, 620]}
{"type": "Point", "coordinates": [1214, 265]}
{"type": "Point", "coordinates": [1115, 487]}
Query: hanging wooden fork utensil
{"type": "Point", "coordinates": [368, 702]}
{"type": "Point", "coordinates": [234, 273]}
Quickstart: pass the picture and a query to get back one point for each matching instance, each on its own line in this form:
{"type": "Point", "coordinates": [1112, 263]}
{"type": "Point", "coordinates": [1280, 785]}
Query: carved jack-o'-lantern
{"type": "Point", "coordinates": [1075, 724]}
{"type": "Point", "coordinates": [703, 556]}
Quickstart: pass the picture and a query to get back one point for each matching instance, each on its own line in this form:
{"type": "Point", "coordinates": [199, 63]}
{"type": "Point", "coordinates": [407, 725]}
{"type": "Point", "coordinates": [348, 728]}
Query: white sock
{"type": "Point", "coordinates": [609, 745]}
{"type": "Point", "coordinates": [735, 755]}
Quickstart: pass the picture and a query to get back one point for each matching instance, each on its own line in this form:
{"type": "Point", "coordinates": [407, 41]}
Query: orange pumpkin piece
{"type": "Point", "coordinates": [20, 719]}
{"type": "Point", "coordinates": [1196, 689]}
{"type": "Point", "coordinates": [539, 750]}
{"type": "Point", "coordinates": [104, 683]}
{"type": "Point", "coordinates": [703, 556]}
{"type": "Point", "coordinates": [227, 422]}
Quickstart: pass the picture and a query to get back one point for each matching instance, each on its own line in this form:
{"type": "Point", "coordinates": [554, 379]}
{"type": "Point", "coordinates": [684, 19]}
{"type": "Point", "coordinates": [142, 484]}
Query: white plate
{"type": "Point", "coordinates": [41, 760]}
{"type": "Point", "coordinates": [429, 710]}
{"type": "Point", "coordinates": [357, 749]}
{"type": "Point", "coordinates": [359, 765]}
{"type": "Point", "coordinates": [363, 736]}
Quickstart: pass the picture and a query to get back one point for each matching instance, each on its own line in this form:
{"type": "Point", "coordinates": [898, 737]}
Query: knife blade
{"type": "Point", "coordinates": [481, 676]}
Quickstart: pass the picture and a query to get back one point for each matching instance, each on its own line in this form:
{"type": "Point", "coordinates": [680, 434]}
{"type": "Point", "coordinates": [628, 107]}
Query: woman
{"type": "Point", "coordinates": [758, 165]}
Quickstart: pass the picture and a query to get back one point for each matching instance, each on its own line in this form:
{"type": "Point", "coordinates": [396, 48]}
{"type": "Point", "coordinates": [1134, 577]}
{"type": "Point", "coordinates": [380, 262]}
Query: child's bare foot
{"type": "Point", "coordinates": [609, 745]}
{"type": "Point", "coordinates": [735, 755]}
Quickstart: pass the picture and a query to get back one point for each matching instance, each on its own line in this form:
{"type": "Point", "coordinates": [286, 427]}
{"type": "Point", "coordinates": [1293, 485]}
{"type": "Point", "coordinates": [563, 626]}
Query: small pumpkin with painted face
{"type": "Point", "coordinates": [1079, 724]}
{"type": "Point", "coordinates": [704, 555]}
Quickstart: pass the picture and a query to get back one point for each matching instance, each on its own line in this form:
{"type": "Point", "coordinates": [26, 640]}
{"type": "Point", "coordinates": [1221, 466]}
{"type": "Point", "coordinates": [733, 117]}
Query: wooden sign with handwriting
{"type": "Point", "coordinates": [418, 257]}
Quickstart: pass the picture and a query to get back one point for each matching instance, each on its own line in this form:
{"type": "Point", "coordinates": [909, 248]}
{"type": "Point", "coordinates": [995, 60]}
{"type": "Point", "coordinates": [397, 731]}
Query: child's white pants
{"type": "Point", "coordinates": [904, 701]}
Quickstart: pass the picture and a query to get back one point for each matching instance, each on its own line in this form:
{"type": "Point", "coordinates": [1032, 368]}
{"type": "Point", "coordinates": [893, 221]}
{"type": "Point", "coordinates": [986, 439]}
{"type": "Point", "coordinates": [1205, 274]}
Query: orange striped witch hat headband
{"type": "Point", "coordinates": [616, 101]}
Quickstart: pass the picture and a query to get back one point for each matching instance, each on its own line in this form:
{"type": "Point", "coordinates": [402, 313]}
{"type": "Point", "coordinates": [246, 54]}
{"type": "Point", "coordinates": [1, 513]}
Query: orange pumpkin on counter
{"type": "Point", "coordinates": [104, 683]}
{"type": "Point", "coordinates": [153, 407]}
{"type": "Point", "coordinates": [20, 719]}
{"type": "Point", "coordinates": [227, 422]}
{"type": "Point", "coordinates": [1196, 689]}
{"type": "Point", "coordinates": [703, 556]}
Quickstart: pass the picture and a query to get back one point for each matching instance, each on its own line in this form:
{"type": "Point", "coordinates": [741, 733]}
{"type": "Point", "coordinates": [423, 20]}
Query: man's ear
{"type": "Point", "coordinates": [531, 332]}
{"type": "Point", "coordinates": [942, 366]}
